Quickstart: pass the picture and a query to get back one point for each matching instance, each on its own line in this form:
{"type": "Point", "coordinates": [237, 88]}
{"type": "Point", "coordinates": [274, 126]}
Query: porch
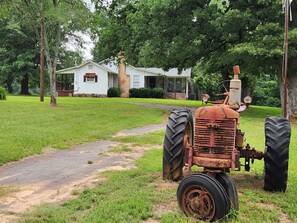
{"type": "Point", "coordinates": [174, 87]}
{"type": "Point", "coordinates": [65, 84]}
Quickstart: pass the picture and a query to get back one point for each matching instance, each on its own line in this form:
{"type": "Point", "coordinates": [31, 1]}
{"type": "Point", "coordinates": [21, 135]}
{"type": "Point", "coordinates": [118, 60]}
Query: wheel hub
{"type": "Point", "coordinates": [199, 204]}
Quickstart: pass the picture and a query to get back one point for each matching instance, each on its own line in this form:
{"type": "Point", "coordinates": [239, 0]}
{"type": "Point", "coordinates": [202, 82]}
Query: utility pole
{"type": "Point", "coordinates": [285, 61]}
{"type": "Point", "coordinates": [41, 57]}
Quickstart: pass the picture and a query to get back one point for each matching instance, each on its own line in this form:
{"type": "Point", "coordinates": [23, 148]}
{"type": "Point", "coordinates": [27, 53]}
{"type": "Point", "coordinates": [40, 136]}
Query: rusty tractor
{"type": "Point", "coordinates": [214, 142]}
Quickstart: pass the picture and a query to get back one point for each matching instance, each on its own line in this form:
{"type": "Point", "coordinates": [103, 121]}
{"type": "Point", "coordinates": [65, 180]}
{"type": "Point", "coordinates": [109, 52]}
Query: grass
{"type": "Point", "coordinates": [140, 194]}
{"type": "Point", "coordinates": [145, 139]}
{"type": "Point", "coordinates": [122, 148]}
{"type": "Point", "coordinates": [186, 103]}
{"type": "Point", "coordinates": [28, 126]}
{"type": "Point", "coordinates": [5, 190]}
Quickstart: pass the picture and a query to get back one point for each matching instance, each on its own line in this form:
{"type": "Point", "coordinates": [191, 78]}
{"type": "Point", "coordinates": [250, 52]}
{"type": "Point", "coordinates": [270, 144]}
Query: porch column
{"type": "Point", "coordinates": [187, 88]}
{"type": "Point", "coordinates": [124, 79]}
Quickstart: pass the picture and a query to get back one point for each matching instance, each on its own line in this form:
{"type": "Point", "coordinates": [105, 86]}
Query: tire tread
{"type": "Point", "coordinates": [277, 141]}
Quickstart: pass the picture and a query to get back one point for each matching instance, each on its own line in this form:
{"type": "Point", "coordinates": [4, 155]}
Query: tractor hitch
{"type": "Point", "coordinates": [250, 155]}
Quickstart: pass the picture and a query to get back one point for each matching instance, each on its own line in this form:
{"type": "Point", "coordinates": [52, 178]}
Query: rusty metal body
{"type": "Point", "coordinates": [218, 141]}
{"type": "Point", "coordinates": [215, 136]}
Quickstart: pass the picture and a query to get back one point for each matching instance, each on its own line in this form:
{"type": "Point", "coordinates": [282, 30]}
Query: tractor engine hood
{"type": "Point", "coordinates": [216, 112]}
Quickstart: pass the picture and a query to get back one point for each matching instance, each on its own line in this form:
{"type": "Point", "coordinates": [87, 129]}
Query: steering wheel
{"type": "Point", "coordinates": [219, 88]}
{"type": "Point", "coordinates": [222, 83]}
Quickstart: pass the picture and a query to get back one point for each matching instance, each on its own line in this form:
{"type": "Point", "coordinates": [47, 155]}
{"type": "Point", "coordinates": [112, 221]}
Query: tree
{"type": "Point", "coordinates": [216, 34]}
{"type": "Point", "coordinates": [60, 19]}
{"type": "Point", "coordinates": [18, 57]}
{"type": "Point", "coordinates": [69, 58]}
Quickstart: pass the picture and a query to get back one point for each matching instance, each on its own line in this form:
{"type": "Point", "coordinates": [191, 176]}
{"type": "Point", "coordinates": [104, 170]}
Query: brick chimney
{"type": "Point", "coordinates": [124, 79]}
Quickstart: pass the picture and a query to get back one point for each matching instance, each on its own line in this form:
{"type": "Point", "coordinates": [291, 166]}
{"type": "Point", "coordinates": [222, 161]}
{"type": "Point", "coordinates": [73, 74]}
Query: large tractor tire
{"type": "Point", "coordinates": [179, 128]}
{"type": "Point", "coordinates": [202, 197]}
{"type": "Point", "coordinates": [230, 189]}
{"type": "Point", "coordinates": [277, 134]}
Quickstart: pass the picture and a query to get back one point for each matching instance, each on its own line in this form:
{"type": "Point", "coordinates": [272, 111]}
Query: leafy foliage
{"type": "Point", "coordinates": [2, 93]}
{"type": "Point", "coordinates": [213, 34]}
{"type": "Point", "coordinates": [146, 93]}
{"type": "Point", "coordinates": [113, 92]}
{"type": "Point", "coordinates": [266, 92]}
{"type": "Point", "coordinates": [18, 57]}
{"type": "Point", "coordinates": [58, 20]}
{"type": "Point", "coordinates": [178, 34]}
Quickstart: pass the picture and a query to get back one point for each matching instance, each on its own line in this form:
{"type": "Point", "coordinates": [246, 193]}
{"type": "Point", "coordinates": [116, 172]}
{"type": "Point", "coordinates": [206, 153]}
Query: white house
{"type": "Point", "coordinates": [94, 79]}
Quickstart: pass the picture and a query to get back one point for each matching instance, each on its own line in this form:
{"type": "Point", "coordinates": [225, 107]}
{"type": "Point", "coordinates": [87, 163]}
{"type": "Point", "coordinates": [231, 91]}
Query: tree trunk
{"type": "Point", "coordinates": [52, 75]}
{"type": "Point", "coordinates": [248, 85]}
{"type": "Point", "coordinates": [292, 96]}
{"type": "Point", "coordinates": [9, 87]}
{"type": "Point", "coordinates": [191, 85]}
{"type": "Point", "coordinates": [52, 61]}
{"type": "Point", "coordinates": [25, 85]}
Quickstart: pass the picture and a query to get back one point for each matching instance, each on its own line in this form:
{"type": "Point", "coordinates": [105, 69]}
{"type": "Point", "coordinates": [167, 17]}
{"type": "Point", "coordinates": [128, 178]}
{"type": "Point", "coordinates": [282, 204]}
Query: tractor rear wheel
{"type": "Point", "coordinates": [230, 188]}
{"type": "Point", "coordinates": [202, 197]}
{"type": "Point", "coordinates": [179, 131]}
{"type": "Point", "coordinates": [277, 141]}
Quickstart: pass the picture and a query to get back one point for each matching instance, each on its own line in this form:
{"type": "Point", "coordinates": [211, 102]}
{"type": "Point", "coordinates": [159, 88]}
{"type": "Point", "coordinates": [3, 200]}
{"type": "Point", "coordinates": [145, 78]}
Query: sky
{"type": "Point", "coordinates": [88, 44]}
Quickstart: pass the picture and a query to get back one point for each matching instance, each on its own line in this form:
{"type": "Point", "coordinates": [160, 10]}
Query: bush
{"type": "Point", "coordinates": [158, 93]}
{"type": "Point", "coordinates": [133, 92]}
{"type": "Point", "coordinates": [266, 92]}
{"type": "Point", "coordinates": [146, 93]}
{"type": "Point", "coordinates": [2, 93]}
{"type": "Point", "coordinates": [113, 92]}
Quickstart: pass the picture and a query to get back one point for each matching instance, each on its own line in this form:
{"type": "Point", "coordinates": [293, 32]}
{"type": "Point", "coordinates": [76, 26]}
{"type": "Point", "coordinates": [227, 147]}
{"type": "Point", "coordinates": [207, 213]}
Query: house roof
{"type": "Point", "coordinates": [112, 67]}
{"type": "Point", "coordinates": [72, 69]}
{"type": "Point", "coordinates": [170, 72]}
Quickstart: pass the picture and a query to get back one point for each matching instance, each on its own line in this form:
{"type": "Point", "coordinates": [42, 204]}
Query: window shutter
{"type": "Point", "coordinates": [96, 78]}
{"type": "Point", "coordinates": [85, 78]}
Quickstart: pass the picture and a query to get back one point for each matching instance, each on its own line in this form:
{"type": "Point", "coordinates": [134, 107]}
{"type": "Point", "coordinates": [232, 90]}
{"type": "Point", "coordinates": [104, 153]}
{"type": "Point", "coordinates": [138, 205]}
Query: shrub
{"type": "Point", "coordinates": [2, 93]}
{"type": "Point", "coordinates": [266, 92]}
{"type": "Point", "coordinates": [158, 93]}
{"type": "Point", "coordinates": [113, 92]}
{"type": "Point", "coordinates": [133, 92]}
{"type": "Point", "coordinates": [146, 93]}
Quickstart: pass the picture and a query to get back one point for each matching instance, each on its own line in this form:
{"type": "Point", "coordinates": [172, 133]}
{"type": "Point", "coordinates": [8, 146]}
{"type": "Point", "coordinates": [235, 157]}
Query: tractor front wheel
{"type": "Point", "coordinates": [277, 134]}
{"type": "Point", "coordinates": [179, 132]}
{"type": "Point", "coordinates": [202, 197]}
{"type": "Point", "coordinates": [230, 189]}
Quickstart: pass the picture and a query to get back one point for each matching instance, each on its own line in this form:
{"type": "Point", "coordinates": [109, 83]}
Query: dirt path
{"type": "Point", "coordinates": [53, 176]}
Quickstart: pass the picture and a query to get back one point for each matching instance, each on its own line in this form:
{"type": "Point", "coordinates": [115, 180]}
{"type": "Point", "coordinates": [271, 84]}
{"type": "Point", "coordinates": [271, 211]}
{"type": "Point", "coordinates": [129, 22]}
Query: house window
{"type": "Point", "coordinates": [136, 81]}
{"type": "Point", "coordinates": [180, 85]}
{"type": "Point", "coordinates": [152, 82]}
{"type": "Point", "coordinates": [90, 77]}
{"type": "Point", "coordinates": [90, 66]}
{"type": "Point", "coordinates": [177, 85]}
{"type": "Point", "coordinates": [170, 85]}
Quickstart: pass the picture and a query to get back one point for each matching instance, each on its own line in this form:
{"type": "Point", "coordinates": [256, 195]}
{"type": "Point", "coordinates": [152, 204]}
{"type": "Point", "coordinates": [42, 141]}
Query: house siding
{"type": "Point", "coordinates": [107, 76]}
{"type": "Point", "coordinates": [98, 88]}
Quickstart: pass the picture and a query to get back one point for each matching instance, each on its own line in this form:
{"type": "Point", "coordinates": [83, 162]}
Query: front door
{"type": "Point", "coordinates": [152, 82]}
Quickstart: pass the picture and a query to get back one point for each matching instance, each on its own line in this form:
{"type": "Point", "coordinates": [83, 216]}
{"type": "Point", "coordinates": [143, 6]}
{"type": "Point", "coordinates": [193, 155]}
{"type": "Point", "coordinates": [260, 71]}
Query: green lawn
{"type": "Point", "coordinates": [28, 126]}
{"type": "Point", "coordinates": [140, 194]}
